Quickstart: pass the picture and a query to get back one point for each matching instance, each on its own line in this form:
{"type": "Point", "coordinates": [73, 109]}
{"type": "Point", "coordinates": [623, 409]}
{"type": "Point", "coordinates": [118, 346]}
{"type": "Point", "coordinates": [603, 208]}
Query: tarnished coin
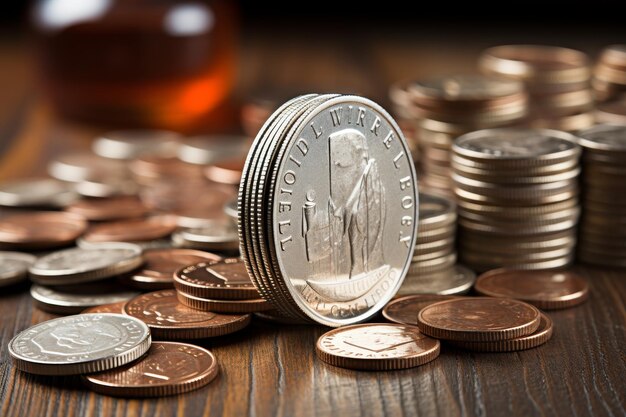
{"type": "Point", "coordinates": [161, 265]}
{"type": "Point", "coordinates": [37, 192]}
{"type": "Point", "coordinates": [76, 265]}
{"type": "Point", "coordinates": [169, 368]}
{"type": "Point", "coordinates": [14, 267]}
{"type": "Point", "coordinates": [40, 230]}
{"type": "Point", "coordinates": [116, 308]}
{"type": "Point", "coordinates": [111, 208]}
{"type": "Point", "coordinates": [454, 280]}
{"type": "Point", "coordinates": [169, 319]}
{"type": "Point", "coordinates": [217, 235]}
{"type": "Point", "coordinates": [377, 347]}
{"type": "Point", "coordinates": [221, 279]}
{"type": "Point", "coordinates": [544, 289]}
{"type": "Point", "coordinates": [478, 319]}
{"type": "Point", "coordinates": [252, 305]}
{"type": "Point", "coordinates": [130, 144]}
{"type": "Point", "coordinates": [404, 310]}
{"type": "Point", "coordinates": [136, 230]}
{"type": "Point", "coordinates": [73, 299]}
{"type": "Point", "coordinates": [80, 344]}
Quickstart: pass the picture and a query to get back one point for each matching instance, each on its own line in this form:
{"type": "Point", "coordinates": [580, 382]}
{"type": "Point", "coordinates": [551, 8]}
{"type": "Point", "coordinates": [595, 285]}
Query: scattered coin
{"type": "Point", "coordinates": [609, 75]}
{"type": "Point", "coordinates": [404, 310]}
{"type": "Point", "coordinates": [80, 344]}
{"type": "Point", "coordinates": [377, 347]}
{"type": "Point", "coordinates": [107, 209]}
{"type": "Point", "coordinates": [36, 192]}
{"type": "Point", "coordinates": [116, 308]}
{"type": "Point", "coordinates": [251, 305]}
{"type": "Point", "coordinates": [149, 169]}
{"type": "Point", "coordinates": [208, 150]}
{"type": "Point", "coordinates": [131, 144]}
{"type": "Point", "coordinates": [454, 280]}
{"type": "Point", "coordinates": [216, 235]}
{"type": "Point", "coordinates": [14, 267]}
{"type": "Point", "coordinates": [220, 279]}
{"type": "Point", "coordinates": [226, 172]}
{"type": "Point", "coordinates": [40, 230]}
{"type": "Point", "coordinates": [74, 299]}
{"type": "Point", "coordinates": [135, 230]}
{"type": "Point", "coordinates": [77, 167]}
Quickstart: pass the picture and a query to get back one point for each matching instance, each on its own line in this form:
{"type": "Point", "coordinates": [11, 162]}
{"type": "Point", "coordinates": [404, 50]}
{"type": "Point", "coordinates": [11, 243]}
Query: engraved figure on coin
{"type": "Point", "coordinates": [378, 341]}
{"type": "Point", "coordinates": [77, 338]}
{"type": "Point", "coordinates": [344, 242]}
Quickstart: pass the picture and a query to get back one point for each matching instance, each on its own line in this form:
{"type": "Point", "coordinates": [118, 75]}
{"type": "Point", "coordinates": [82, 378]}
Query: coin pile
{"type": "Point", "coordinates": [609, 73]}
{"type": "Point", "coordinates": [517, 196]}
{"type": "Point", "coordinates": [328, 209]}
{"type": "Point", "coordinates": [557, 80]}
{"type": "Point", "coordinates": [611, 112]}
{"type": "Point", "coordinates": [446, 107]}
{"type": "Point", "coordinates": [603, 225]}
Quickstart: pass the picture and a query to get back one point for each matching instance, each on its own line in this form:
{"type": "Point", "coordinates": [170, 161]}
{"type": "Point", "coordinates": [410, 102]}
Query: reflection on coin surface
{"type": "Point", "coordinates": [455, 280]}
{"type": "Point", "coordinates": [117, 308]}
{"type": "Point", "coordinates": [36, 192]}
{"type": "Point", "coordinates": [544, 289]}
{"type": "Point", "coordinates": [14, 267]}
{"type": "Point", "coordinates": [376, 346]}
{"type": "Point", "coordinates": [40, 230]}
{"type": "Point", "coordinates": [71, 299]}
{"type": "Point", "coordinates": [80, 344]}
{"type": "Point", "coordinates": [130, 144]}
{"type": "Point", "coordinates": [225, 279]}
{"type": "Point", "coordinates": [169, 368]}
{"type": "Point", "coordinates": [404, 310]}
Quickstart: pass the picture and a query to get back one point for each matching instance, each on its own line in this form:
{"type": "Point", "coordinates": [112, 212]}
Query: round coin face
{"type": "Point", "coordinates": [455, 280]}
{"type": "Point", "coordinates": [40, 230]}
{"type": "Point", "coordinates": [478, 319]}
{"type": "Point", "coordinates": [168, 368]}
{"type": "Point", "coordinates": [74, 299]}
{"type": "Point", "coordinates": [604, 137]}
{"type": "Point", "coordinates": [544, 289]}
{"type": "Point", "coordinates": [14, 267]}
{"type": "Point", "coordinates": [223, 279]}
{"type": "Point", "coordinates": [404, 310]}
{"type": "Point", "coordinates": [376, 346]}
{"type": "Point", "coordinates": [80, 344]}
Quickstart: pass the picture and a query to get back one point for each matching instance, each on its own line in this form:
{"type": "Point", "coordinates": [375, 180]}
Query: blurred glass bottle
{"type": "Point", "coordinates": [151, 63]}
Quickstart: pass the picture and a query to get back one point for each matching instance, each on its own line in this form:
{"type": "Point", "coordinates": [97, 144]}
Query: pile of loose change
{"type": "Point", "coordinates": [609, 73]}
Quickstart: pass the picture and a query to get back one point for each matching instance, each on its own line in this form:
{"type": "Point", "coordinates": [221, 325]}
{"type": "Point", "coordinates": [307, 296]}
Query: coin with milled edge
{"type": "Point", "coordinates": [74, 299]}
{"type": "Point", "coordinates": [220, 279]}
{"type": "Point", "coordinates": [80, 344]}
{"type": "Point", "coordinates": [40, 230]}
{"type": "Point", "coordinates": [37, 192]}
{"type": "Point", "coordinates": [116, 308]}
{"type": "Point", "coordinates": [14, 267]}
{"type": "Point", "coordinates": [455, 280]}
{"type": "Point", "coordinates": [252, 305]}
{"type": "Point", "coordinates": [169, 368]}
{"type": "Point", "coordinates": [404, 310]}
{"type": "Point", "coordinates": [377, 347]}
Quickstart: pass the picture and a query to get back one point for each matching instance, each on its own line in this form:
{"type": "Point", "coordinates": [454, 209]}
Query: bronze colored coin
{"type": "Point", "coordinates": [111, 208]}
{"type": "Point", "coordinates": [253, 305]}
{"type": "Point", "coordinates": [161, 265]}
{"type": "Point", "coordinates": [138, 230]}
{"type": "Point", "coordinates": [169, 368]}
{"type": "Point", "coordinates": [117, 308]}
{"type": "Point", "coordinates": [168, 319]}
{"type": "Point", "coordinates": [544, 289]}
{"type": "Point", "coordinates": [221, 279]}
{"type": "Point", "coordinates": [478, 319]}
{"type": "Point", "coordinates": [40, 230]}
{"type": "Point", "coordinates": [404, 310]}
{"type": "Point", "coordinates": [226, 172]}
{"type": "Point", "coordinates": [376, 347]}
{"type": "Point", "coordinates": [538, 338]}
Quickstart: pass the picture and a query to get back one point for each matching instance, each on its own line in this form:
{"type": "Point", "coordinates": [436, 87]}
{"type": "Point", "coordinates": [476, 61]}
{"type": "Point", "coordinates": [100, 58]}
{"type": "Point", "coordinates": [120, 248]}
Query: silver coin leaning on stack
{"type": "Point", "coordinates": [609, 74]}
{"type": "Point", "coordinates": [517, 196]}
{"type": "Point", "coordinates": [433, 267]}
{"type": "Point", "coordinates": [602, 238]}
{"type": "Point", "coordinates": [328, 209]}
{"type": "Point", "coordinates": [446, 107]}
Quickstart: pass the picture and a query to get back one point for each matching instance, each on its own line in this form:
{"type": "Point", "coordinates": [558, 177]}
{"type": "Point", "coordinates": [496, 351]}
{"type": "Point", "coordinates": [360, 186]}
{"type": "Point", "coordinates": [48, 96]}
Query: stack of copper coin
{"type": "Point", "coordinates": [609, 73]}
{"type": "Point", "coordinates": [557, 80]}
{"type": "Point", "coordinates": [603, 226]}
{"type": "Point", "coordinates": [446, 107]}
{"type": "Point", "coordinates": [517, 196]}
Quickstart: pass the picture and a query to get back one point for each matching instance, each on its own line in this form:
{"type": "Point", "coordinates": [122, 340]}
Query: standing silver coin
{"type": "Point", "coordinates": [14, 267]}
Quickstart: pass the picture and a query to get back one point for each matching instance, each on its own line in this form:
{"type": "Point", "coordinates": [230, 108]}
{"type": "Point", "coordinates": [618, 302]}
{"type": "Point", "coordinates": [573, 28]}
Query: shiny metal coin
{"type": "Point", "coordinates": [207, 150]}
{"type": "Point", "coordinates": [216, 235]}
{"type": "Point", "coordinates": [37, 192]}
{"type": "Point", "coordinates": [14, 267]}
{"type": "Point", "coordinates": [455, 280]}
{"type": "Point", "coordinates": [131, 144]}
{"type": "Point", "coordinates": [74, 299]}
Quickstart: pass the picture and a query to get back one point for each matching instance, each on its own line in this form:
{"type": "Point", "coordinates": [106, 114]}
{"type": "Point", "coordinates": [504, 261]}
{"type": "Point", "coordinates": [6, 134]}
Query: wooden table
{"type": "Point", "coordinates": [272, 370]}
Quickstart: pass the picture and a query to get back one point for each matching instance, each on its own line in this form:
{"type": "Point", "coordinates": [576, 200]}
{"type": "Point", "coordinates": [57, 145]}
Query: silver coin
{"type": "Point", "coordinates": [435, 211]}
{"type": "Point", "coordinates": [604, 137]}
{"type": "Point", "coordinates": [14, 267]}
{"type": "Point", "coordinates": [79, 167]}
{"type": "Point", "coordinates": [76, 265]}
{"type": "Point", "coordinates": [131, 144]}
{"type": "Point", "coordinates": [80, 344]}
{"type": "Point", "coordinates": [215, 235]}
{"type": "Point", "coordinates": [207, 150]}
{"type": "Point", "coordinates": [454, 280]}
{"type": "Point", "coordinates": [107, 187]}
{"type": "Point", "coordinates": [74, 299]}
{"type": "Point", "coordinates": [41, 192]}
{"type": "Point", "coordinates": [145, 245]}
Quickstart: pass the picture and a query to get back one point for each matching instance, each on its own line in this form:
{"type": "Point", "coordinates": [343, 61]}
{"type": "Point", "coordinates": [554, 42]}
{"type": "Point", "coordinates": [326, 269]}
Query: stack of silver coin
{"type": "Point", "coordinates": [602, 239]}
{"type": "Point", "coordinates": [328, 209]}
{"type": "Point", "coordinates": [446, 107]}
{"type": "Point", "coordinates": [558, 81]}
{"type": "Point", "coordinates": [517, 196]}
{"type": "Point", "coordinates": [609, 73]}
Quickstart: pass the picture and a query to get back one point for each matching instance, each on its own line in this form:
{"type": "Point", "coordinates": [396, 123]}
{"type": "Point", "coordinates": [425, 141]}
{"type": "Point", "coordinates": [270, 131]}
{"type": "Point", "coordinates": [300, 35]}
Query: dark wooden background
{"type": "Point", "coordinates": [272, 370]}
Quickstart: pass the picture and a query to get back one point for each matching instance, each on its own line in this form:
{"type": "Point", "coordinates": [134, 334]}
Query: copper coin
{"type": "Point", "coordinates": [168, 319]}
{"type": "Point", "coordinates": [138, 230]}
{"type": "Point", "coordinates": [539, 337]}
{"type": "Point", "coordinates": [253, 305]}
{"type": "Point", "coordinates": [404, 310]}
{"type": "Point", "coordinates": [117, 308]}
{"type": "Point", "coordinates": [226, 172]}
{"type": "Point", "coordinates": [40, 230]}
{"type": "Point", "coordinates": [111, 208]}
{"type": "Point", "coordinates": [222, 279]}
{"type": "Point", "coordinates": [478, 319]}
{"type": "Point", "coordinates": [161, 264]}
{"type": "Point", "coordinates": [544, 289]}
{"type": "Point", "coordinates": [377, 347]}
{"type": "Point", "coordinates": [169, 368]}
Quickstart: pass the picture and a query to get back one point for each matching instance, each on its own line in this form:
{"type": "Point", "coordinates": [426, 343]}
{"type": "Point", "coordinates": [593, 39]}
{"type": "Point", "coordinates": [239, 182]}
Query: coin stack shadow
{"type": "Point", "coordinates": [602, 239]}
{"type": "Point", "coordinates": [517, 197]}
{"type": "Point", "coordinates": [558, 82]}
{"type": "Point", "coordinates": [443, 108]}
{"type": "Point", "coordinates": [609, 73]}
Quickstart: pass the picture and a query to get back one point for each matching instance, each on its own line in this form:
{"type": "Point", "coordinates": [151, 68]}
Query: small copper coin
{"type": "Point", "coordinates": [161, 264]}
{"type": "Point", "coordinates": [168, 319]}
{"type": "Point", "coordinates": [40, 230]}
{"type": "Point", "coordinates": [539, 337]}
{"type": "Point", "coordinates": [110, 208]}
{"type": "Point", "coordinates": [253, 305]}
{"type": "Point", "coordinates": [169, 368]}
{"type": "Point", "coordinates": [478, 319]}
{"type": "Point", "coordinates": [117, 308]}
{"type": "Point", "coordinates": [404, 310]}
{"type": "Point", "coordinates": [138, 230]}
{"type": "Point", "coordinates": [225, 279]}
{"type": "Point", "coordinates": [545, 289]}
{"type": "Point", "coordinates": [376, 347]}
